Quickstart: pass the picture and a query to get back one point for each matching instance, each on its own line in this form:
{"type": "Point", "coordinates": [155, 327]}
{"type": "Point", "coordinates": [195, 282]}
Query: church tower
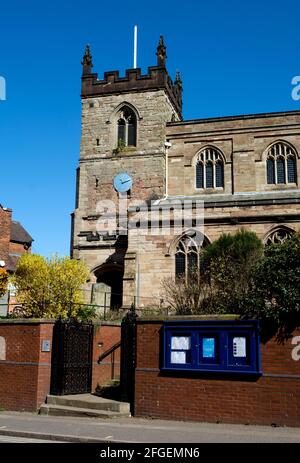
{"type": "Point", "coordinates": [123, 137]}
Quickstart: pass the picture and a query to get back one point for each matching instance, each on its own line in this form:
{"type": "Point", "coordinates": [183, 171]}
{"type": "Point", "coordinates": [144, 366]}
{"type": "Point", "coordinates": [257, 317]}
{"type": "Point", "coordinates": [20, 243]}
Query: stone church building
{"type": "Point", "coordinates": [244, 170]}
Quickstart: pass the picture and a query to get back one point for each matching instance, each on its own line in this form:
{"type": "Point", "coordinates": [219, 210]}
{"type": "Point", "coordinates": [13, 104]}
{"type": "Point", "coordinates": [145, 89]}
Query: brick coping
{"type": "Point", "coordinates": [47, 321]}
{"type": "Point", "coordinates": [27, 321]}
{"type": "Point", "coordinates": [161, 318]}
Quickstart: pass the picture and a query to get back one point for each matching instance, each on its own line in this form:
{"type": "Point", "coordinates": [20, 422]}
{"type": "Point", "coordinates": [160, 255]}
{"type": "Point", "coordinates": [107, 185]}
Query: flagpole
{"type": "Point", "coordinates": [135, 48]}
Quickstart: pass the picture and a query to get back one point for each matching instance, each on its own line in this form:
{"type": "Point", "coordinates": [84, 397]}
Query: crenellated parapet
{"type": "Point", "coordinates": [156, 78]}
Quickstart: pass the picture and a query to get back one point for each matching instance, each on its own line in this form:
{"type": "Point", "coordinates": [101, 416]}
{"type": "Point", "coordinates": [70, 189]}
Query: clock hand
{"type": "Point", "coordinates": [126, 181]}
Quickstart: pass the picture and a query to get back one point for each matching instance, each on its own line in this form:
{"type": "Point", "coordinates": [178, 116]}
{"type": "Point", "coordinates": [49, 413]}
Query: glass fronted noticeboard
{"type": "Point", "coordinates": [211, 345]}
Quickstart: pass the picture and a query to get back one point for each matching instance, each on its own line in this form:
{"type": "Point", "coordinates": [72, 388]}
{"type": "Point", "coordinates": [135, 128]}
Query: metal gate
{"type": "Point", "coordinates": [71, 371]}
{"type": "Point", "coordinates": [128, 357]}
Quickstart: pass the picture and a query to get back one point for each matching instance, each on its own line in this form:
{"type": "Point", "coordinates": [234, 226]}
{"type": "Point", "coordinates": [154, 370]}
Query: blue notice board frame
{"type": "Point", "coordinates": [220, 346]}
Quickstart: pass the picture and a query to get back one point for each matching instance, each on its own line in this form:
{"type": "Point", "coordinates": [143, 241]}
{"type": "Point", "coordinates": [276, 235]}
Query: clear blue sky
{"type": "Point", "coordinates": [236, 57]}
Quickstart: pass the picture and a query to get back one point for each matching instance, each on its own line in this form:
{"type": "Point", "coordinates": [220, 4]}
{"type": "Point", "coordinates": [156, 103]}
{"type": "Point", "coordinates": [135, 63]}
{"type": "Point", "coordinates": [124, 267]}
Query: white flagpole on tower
{"type": "Point", "coordinates": [135, 48]}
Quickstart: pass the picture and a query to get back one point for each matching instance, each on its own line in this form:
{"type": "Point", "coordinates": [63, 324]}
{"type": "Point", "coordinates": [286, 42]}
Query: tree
{"type": "Point", "coordinates": [50, 287]}
{"type": "Point", "coordinates": [224, 279]}
{"type": "Point", "coordinates": [3, 281]}
{"type": "Point", "coordinates": [276, 287]}
{"type": "Point", "coordinates": [228, 266]}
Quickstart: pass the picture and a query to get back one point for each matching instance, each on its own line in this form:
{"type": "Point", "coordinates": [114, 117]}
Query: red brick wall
{"type": "Point", "coordinates": [273, 398]}
{"type": "Point", "coordinates": [25, 373]}
{"type": "Point", "coordinates": [5, 225]}
{"type": "Point", "coordinates": [18, 248]}
{"type": "Point", "coordinates": [105, 336]}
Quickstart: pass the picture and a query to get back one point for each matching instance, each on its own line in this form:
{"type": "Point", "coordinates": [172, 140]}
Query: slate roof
{"type": "Point", "coordinates": [18, 234]}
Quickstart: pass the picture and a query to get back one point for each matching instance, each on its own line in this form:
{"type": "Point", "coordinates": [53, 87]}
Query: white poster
{"type": "Point", "coordinates": [178, 357]}
{"type": "Point", "coordinates": [239, 347]}
{"type": "Point", "coordinates": [180, 342]}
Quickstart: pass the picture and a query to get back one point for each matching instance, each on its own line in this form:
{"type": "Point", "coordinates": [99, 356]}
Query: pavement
{"type": "Point", "coordinates": [136, 430]}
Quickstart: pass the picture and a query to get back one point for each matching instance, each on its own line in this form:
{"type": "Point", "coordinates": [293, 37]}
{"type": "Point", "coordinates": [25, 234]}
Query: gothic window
{"type": "Point", "coordinates": [278, 236]}
{"type": "Point", "coordinates": [281, 164]}
{"type": "Point", "coordinates": [188, 250]}
{"type": "Point", "coordinates": [126, 127]}
{"type": "Point", "coordinates": [209, 169]}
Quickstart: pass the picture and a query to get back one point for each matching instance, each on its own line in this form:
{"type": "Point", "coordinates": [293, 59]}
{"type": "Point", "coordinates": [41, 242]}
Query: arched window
{"type": "Point", "coordinates": [278, 236]}
{"type": "Point", "coordinates": [188, 250]}
{"type": "Point", "coordinates": [126, 127]}
{"type": "Point", "coordinates": [209, 169]}
{"type": "Point", "coordinates": [281, 164]}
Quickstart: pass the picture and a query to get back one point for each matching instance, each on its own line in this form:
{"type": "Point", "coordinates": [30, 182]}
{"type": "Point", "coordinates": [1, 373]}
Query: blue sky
{"type": "Point", "coordinates": [235, 58]}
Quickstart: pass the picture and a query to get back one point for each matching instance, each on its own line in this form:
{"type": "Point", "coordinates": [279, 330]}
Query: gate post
{"type": "Point", "coordinates": [128, 357]}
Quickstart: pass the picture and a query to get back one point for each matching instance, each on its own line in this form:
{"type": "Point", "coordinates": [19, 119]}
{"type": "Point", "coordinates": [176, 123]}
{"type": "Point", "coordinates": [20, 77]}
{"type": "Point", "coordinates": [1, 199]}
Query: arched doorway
{"type": "Point", "coordinates": [108, 290]}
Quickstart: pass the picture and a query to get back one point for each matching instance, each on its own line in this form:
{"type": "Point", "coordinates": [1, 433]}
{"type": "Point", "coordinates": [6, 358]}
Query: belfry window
{"type": "Point", "coordinates": [126, 127]}
{"type": "Point", "coordinates": [281, 164]}
{"type": "Point", "coordinates": [188, 251]}
{"type": "Point", "coordinates": [209, 169]}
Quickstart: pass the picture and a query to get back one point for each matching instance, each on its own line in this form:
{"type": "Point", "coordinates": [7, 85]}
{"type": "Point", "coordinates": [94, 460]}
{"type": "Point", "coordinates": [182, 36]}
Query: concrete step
{"type": "Point", "coordinates": [89, 402]}
{"type": "Point", "coordinates": [63, 410]}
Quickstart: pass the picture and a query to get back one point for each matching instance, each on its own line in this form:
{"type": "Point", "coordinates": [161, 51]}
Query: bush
{"type": "Point", "coordinates": [50, 287]}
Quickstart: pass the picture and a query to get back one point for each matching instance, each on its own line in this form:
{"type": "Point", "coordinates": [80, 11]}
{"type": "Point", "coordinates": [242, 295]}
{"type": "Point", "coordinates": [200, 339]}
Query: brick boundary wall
{"type": "Point", "coordinates": [273, 398]}
{"type": "Point", "coordinates": [25, 370]}
{"type": "Point", "coordinates": [106, 335]}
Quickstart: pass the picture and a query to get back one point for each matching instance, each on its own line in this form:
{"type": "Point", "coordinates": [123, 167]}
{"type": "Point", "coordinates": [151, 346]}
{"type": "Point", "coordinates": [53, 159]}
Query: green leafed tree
{"type": "Point", "coordinates": [50, 287]}
{"type": "Point", "coordinates": [228, 267]}
{"type": "Point", "coordinates": [224, 279]}
{"type": "Point", "coordinates": [276, 286]}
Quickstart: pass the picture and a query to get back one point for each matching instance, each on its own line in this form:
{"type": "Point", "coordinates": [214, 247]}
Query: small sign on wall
{"type": "Point", "coordinates": [46, 345]}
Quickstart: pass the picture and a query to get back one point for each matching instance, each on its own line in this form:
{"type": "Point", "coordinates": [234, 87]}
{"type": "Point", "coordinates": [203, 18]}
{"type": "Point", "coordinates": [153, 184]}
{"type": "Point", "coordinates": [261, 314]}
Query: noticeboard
{"type": "Point", "coordinates": [229, 346]}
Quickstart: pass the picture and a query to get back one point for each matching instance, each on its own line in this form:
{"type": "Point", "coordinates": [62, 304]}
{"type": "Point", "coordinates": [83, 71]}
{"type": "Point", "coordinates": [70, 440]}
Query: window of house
{"type": "Point", "coordinates": [281, 164]}
{"type": "Point", "coordinates": [209, 169]}
{"type": "Point", "coordinates": [126, 127]}
{"type": "Point", "coordinates": [188, 251]}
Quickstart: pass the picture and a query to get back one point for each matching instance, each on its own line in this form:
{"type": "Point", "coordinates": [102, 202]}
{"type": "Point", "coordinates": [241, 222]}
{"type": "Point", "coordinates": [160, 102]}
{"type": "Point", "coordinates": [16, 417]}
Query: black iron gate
{"type": "Point", "coordinates": [128, 357]}
{"type": "Point", "coordinates": [71, 371]}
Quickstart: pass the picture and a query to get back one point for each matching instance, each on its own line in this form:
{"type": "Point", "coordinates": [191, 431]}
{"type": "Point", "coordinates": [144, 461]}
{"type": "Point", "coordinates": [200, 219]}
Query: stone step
{"type": "Point", "coordinates": [89, 402]}
{"type": "Point", "coordinates": [63, 410]}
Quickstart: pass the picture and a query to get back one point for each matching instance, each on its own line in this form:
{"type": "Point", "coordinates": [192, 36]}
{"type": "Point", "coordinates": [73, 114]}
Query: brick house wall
{"type": "Point", "coordinates": [273, 398]}
{"type": "Point", "coordinates": [5, 225]}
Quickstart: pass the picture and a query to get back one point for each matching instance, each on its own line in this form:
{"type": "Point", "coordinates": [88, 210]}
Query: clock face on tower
{"type": "Point", "coordinates": [122, 182]}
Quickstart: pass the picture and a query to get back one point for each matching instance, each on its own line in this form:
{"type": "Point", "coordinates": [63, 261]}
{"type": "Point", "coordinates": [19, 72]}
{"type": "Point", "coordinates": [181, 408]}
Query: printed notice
{"type": "Point", "coordinates": [239, 347]}
{"type": "Point", "coordinates": [178, 357]}
{"type": "Point", "coordinates": [208, 347]}
{"type": "Point", "coordinates": [180, 342]}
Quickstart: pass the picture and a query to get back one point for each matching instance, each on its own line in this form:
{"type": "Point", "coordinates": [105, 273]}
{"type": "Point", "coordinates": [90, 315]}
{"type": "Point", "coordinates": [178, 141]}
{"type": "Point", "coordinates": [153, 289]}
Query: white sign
{"type": "Point", "coordinates": [239, 347]}
{"type": "Point", "coordinates": [180, 342]}
{"type": "Point", "coordinates": [178, 357]}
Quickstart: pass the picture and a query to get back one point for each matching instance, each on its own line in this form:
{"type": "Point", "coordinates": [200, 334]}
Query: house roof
{"type": "Point", "coordinates": [18, 234]}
